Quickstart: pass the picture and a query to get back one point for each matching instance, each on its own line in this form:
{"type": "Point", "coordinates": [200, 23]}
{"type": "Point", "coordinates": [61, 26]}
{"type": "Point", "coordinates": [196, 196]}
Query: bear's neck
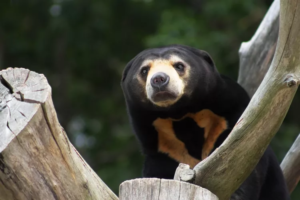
{"type": "Point", "coordinates": [228, 98]}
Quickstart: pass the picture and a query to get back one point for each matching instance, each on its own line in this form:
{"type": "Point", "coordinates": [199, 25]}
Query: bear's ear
{"type": "Point", "coordinates": [207, 57]}
{"type": "Point", "coordinates": [202, 54]}
{"type": "Point", "coordinates": [127, 68]}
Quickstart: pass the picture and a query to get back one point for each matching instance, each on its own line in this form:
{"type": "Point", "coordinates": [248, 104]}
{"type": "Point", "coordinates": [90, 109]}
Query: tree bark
{"type": "Point", "coordinates": [161, 189]}
{"type": "Point", "coordinates": [228, 166]}
{"type": "Point", "coordinates": [37, 161]}
{"type": "Point", "coordinates": [256, 55]}
{"type": "Point", "coordinates": [290, 165]}
{"type": "Point", "coordinates": [255, 60]}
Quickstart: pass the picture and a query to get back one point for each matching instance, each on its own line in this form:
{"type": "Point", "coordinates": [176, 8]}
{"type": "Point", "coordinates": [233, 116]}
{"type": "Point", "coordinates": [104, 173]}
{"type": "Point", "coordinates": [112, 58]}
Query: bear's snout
{"type": "Point", "coordinates": [159, 80]}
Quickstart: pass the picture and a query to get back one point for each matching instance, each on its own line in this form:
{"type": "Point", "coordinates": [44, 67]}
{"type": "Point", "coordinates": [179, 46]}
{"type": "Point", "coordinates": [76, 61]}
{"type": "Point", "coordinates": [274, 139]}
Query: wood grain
{"type": "Point", "coordinates": [161, 189]}
{"type": "Point", "coordinates": [37, 161]}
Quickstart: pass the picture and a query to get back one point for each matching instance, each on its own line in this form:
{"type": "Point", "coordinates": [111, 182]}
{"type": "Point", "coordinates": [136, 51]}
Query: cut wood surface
{"type": "Point", "coordinates": [291, 165]}
{"type": "Point", "coordinates": [161, 189]}
{"type": "Point", "coordinates": [37, 161]}
{"type": "Point", "coordinates": [221, 172]}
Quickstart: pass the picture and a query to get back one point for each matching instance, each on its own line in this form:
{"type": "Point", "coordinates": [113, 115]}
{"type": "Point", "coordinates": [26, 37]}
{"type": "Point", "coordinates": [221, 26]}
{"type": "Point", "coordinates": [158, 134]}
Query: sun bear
{"type": "Point", "coordinates": [181, 109]}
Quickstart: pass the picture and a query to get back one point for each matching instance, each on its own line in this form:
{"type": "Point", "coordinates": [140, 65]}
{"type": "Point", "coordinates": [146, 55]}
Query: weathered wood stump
{"type": "Point", "coordinates": [162, 189]}
{"type": "Point", "coordinates": [37, 161]}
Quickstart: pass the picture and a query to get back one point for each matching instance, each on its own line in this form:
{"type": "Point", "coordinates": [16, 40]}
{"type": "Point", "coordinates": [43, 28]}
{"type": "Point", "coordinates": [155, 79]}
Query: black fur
{"type": "Point", "coordinates": [208, 90]}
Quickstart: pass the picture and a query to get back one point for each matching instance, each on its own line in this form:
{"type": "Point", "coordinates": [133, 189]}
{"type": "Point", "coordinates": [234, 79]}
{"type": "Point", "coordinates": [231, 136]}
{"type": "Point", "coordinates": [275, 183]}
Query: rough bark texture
{"type": "Point", "coordinates": [257, 54]}
{"type": "Point", "coordinates": [161, 189]}
{"type": "Point", "coordinates": [255, 60]}
{"type": "Point", "coordinates": [221, 172]}
{"type": "Point", "coordinates": [291, 165]}
{"type": "Point", "coordinates": [37, 161]}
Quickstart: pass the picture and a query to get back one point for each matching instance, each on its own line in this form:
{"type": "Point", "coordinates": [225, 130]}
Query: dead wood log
{"type": "Point", "coordinates": [224, 171]}
{"type": "Point", "coordinates": [162, 189]}
{"type": "Point", "coordinates": [37, 161]}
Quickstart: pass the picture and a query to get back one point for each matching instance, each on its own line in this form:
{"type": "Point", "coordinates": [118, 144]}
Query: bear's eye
{"type": "Point", "coordinates": [144, 70]}
{"type": "Point", "coordinates": [179, 66]}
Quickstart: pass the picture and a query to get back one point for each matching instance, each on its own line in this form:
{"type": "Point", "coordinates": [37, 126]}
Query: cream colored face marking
{"type": "Point", "coordinates": [176, 83]}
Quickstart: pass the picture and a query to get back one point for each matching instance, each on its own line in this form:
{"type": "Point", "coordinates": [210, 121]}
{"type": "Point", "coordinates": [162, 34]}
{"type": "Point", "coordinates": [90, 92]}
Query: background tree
{"type": "Point", "coordinates": [82, 47]}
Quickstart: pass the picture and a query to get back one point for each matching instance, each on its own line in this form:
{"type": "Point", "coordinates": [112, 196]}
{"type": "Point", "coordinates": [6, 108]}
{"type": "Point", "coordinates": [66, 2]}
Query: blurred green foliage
{"type": "Point", "coordinates": [83, 46]}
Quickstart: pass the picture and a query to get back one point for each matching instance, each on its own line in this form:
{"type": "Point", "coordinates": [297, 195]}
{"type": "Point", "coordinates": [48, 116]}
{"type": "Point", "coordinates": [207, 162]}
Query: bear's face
{"type": "Point", "coordinates": [164, 79]}
{"type": "Point", "coordinates": [163, 76]}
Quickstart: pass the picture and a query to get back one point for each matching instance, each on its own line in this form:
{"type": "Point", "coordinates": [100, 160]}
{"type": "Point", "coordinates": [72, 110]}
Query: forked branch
{"type": "Point", "coordinates": [225, 170]}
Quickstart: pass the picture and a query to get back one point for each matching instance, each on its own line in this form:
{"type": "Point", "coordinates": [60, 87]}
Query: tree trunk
{"type": "Point", "coordinates": [161, 189]}
{"type": "Point", "coordinates": [257, 54]}
{"type": "Point", "coordinates": [228, 166]}
{"type": "Point", "coordinates": [255, 60]}
{"type": "Point", "coordinates": [37, 161]}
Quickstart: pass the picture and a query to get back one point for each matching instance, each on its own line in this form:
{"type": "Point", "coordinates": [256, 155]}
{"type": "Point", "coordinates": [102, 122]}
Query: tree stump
{"type": "Point", "coordinates": [161, 189]}
{"type": "Point", "coordinates": [37, 161]}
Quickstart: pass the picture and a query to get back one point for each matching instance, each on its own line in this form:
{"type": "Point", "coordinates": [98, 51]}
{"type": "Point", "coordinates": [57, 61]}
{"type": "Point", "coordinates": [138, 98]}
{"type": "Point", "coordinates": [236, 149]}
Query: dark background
{"type": "Point", "coordinates": [83, 46]}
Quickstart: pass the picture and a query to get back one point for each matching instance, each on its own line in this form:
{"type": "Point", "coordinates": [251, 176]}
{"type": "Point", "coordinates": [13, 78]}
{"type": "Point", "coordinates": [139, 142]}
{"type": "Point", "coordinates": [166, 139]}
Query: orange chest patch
{"type": "Point", "coordinates": [168, 143]}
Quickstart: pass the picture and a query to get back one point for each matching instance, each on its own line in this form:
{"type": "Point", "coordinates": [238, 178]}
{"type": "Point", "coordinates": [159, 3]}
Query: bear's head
{"type": "Point", "coordinates": [168, 76]}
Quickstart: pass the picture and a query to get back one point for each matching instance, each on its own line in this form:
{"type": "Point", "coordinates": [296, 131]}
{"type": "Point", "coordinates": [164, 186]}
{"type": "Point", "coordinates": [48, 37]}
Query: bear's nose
{"type": "Point", "coordinates": [159, 80]}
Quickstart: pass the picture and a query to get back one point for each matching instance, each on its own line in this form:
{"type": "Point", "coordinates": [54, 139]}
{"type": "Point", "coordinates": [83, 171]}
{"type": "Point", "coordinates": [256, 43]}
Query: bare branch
{"type": "Point", "coordinates": [221, 172]}
{"type": "Point", "coordinates": [255, 59]}
{"type": "Point", "coordinates": [290, 165]}
{"type": "Point", "coordinates": [257, 54]}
